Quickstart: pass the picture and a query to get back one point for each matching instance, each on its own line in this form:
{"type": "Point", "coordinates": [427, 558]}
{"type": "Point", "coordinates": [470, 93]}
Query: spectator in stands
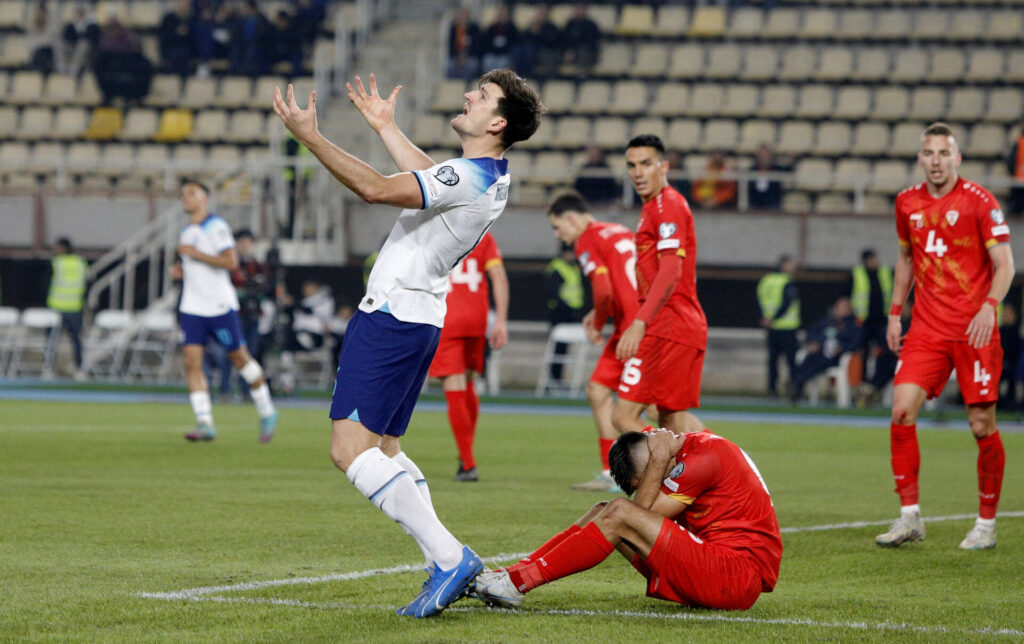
{"type": "Point", "coordinates": [595, 182]}
{"type": "Point", "coordinates": [779, 302]}
{"type": "Point", "coordinates": [286, 42]}
{"type": "Point", "coordinates": [583, 40]}
{"type": "Point", "coordinates": [43, 35]}
{"type": "Point", "coordinates": [177, 42]}
{"type": "Point", "coordinates": [870, 290]}
{"type": "Point", "coordinates": [763, 191]}
{"type": "Point", "coordinates": [213, 31]}
{"type": "Point", "coordinates": [499, 41]}
{"type": "Point", "coordinates": [563, 285]}
{"type": "Point", "coordinates": [310, 327]}
{"type": "Point", "coordinates": [121, 69]}
{"type": "Point", "coordinates": [250, 41]}
{"type": "Point", "coordinates": [463, 47]}
{"type": "Point", "coordinates": [1009, 336]}
{"type": "Point", "coordinates": [676, 165]}
{"type": "Point", "coordinates": [67, 295]}
{"type": "Point", "coordinates": [79, 39]}
{"type": "Point", "coordinates": [539, 52]}
{"type": "Point", "coordinates": [1015, 164]}
{"type": "Point", "coordinates": [309, 18]}
{"type": "Point", "coordinates": [713, 189]}
{"type": "Point", "coordinates": [835, 334]}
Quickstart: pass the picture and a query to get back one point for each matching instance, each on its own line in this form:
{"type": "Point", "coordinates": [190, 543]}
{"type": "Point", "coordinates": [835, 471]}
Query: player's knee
{"type": "Point", "coordinates": [251, 372]}
{"type": "Point", "coordinates": [621, 419]}
{"type": "Point", "coordinates": [903, 415]}
{"type": "Point", "coordinates": [982, 423]}
{"type": "Point", "coordinates": [616, 510]}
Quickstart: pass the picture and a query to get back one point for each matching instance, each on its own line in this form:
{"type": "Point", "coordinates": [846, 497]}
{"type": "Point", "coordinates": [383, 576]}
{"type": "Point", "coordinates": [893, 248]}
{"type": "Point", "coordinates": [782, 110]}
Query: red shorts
{"type": "Point", "coordinates": [609, 368]}
{"type": "Point", "coordinates": [664, 373]}
{"type": "Point", "coordinates": [683, 568]}
{"type": "Point", "coordinates": [458, 355]}
{"type": "Point", "coordinates": [927, 362]}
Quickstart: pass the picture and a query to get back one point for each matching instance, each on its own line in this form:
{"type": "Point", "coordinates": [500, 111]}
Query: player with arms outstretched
{"type": "Point", "coordinates": [460, 353]}
{"type": "Point", "coordinates": [607, 256]}
{"type": "Point", "coordinates": [701, 527]}
{"type": "Point", "coordinates": [663, 346]}
{"type": "Point", "coordinates": [391, 340]}
{"type": "Point", "coordinates": [955, 253]}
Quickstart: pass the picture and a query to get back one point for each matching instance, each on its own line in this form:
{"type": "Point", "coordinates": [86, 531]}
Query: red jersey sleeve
{"type": "Point", "coordinates": [490, 254]}
{"type": "Point", "coordinates": [992, 227]}
{"type": "Point", "coordinates": [671, 228]}
{"type": "Point", "coordinates": [691, 478]}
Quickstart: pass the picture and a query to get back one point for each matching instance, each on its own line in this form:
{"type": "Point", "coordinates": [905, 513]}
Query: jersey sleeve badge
{"type": "Point", "coordinates": [666, 230]}
{"type": "Point", "coordinates": [447, 175]}
{"type": "Point", "coordinates": [997, 216]}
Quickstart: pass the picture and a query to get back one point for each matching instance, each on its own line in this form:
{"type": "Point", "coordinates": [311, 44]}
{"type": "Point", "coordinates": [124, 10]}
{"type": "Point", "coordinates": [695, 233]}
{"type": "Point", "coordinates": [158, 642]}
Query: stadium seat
{"type": "Point", "coordinates": [572, 132]}
{"type": "Point", "coordinates": [1004, 105]}
{"type": "Point", "coordinates": [5, 79]}
{"type": "Point", "coordinates": [760, 63]}
{"type": "Point", "coordinates": [69, 123]}
{"type": "Point", "coordinates": [175, 125]}
{"type": "Point", "coordinates": [8, 121]}
{"type": "Point", "coordinates": [819, 24]}
{"type": "Point", "coordinates": [891, 104]}
{"type": "Point", "coordinates": [967, 25]}
{"type": "Point", "coordinates": [928, 104]}
{"type": "Point", "coordinates": [144, 14]}
{"type": "Point", "coordinates": [210, 125]}
{"type": "Point", "coordinates": [794, 202]}
{"type": "Point", "coordinates": [754, 133]}
{"type": "Point", "coordinates": [542, 137]}
{"type": "Point", "coordinates": [840, 375]}
{"type": "Point", "coordinates": [263, 93]}
{"type": "Point", "coordinates": [84, 158]}
{"type": "Point", "coordinates": [672, 21]}
{"type": "Point", "coordinates": [551, 168]}
{"type": "Point", "coordinates": [987, 140]}
{"type": "Point", "coordinates": [930, 25]}
{"type": "Point", "coordinates": [889, 176]}
{"type": "Point", "coordinates": [708, 22]}
{"type": "Point", "coordinates": [1014, 66]}
{"type": "Point", "coordinates": [670, 99]}
{"type": "Point", "coordinates": [104, 124]}
{"type": "Point", "coordinates": [877, 204]}
{"type": "Point", "coordinates": [684, 134]}
{"type": "Point", "coordinates": [139, 125]}
{"type": "Point", "coordinates": [635, 20]}
{"type": "Point", "coordinates": [795, 137]}
{"type": "Point", "coordinates": [186, 156]}
{"type": "Point", "coordinates": [812, 174]}
{"type": "Point", "coordinates": [559, 96]}
{"type": "Point", "coordinates": [235, 91]}
{"type": "Point", "coordinates": [225, 155]}
{"type": "Point", "coordinates": [12, 16]}
{"type": "Point", "coordinates": [628, 97]}
{"type": "Point", "coordinates": [985, 65]}
{"type": "Point", "coordinates": [947, 66]}
{"type": "Point", "coordinates": [687, 62]}
{"type": "Point", "coordinates": [610, 132]}
{"type": "Point", "coordinates": [966, 104]}
{"type": "Point", "coordinates": [15, 155]}
{"type": "Point", "coordinates": [815, 101]}
{"type": "Point", "coordinates": [723, 61]}
{"type": "Point", "coordinates": [59, 89]}
{"type": "Point", "coordinates": [116, 158]}
{"type": "Point", "coordinates": [46, 156]}
{"type": "Point", "coordinates": [594, 97]}
{"type": "Point", "coordinates": [651, 61]}
{"type": "Point", "coordinates": [906, 139]}
{"type": "Point", "coordinates": [1005, 26]}
{"type": "Point", "coordinates": [782, 24]}
{"type": "Point", "coordinates": [720, 134]}
{"type": "Point", "coordinates": [835, 64]}
{"type": "Point", "coordinates": [855, 24]}
{"type": "Point", "coordinates": [892, 25]}
{"type": "Point", "coordinates": [35, 123]}
{"type": "Point", "coordinates": [164, 91]}
{"type": "Point", "coordinates": [798, 63]}
{"type": "Point", "coordinates": [650, 125]}
{"type": "Point", "coordinates": [870, 138]}
{"type": "Point", "coordinates": [833, 203]}
{"type": "Point", "coordinates": [706, 99]}
{"type": "Point", "coordinates": [426, 130]}
{"type": "Point", "coordinates": [531, 194]}
{"type": "Point", "coordinates": [851, 174]}
{"type": "Point", "coordinates": [909, 66]}
{"type": "Point", "coordinates": [574, 360]}
{"type": "Point", "coordinates": [740, 101]}
{"type": "Point", "coordinates": [105, 345]}
{"type": "Point", "coordinates": [26, 88]}
{"type": "Point", "coordinates": [974, 171]}
{"type": "Point", "coordinates": [872, 64]}
{"type": "Point", "coordinates": [615, 61]}
{"type": "Point", "coordinates": [833, 138]}
{"type": "Point", "coordinates": [778, 101]}
{"type": "Point", "coordinates": [199, 93]}
{"type": "Point", "coordinates": [247, 125]}
{"type": "Point", "coordinates": [14, 50]}
{"type": "Point", "coordinates": [37, 335]}
{"type": "Point", "coordinates": [606, 17]}
{"type": "Point", "coordinates": [853, 102]}
{"type": "Point", "coordinates": [746, 23]}
{"type": "Point", "coordinates": [87, 93]}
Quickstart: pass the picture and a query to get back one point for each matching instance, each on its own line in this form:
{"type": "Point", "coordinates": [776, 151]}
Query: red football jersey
{"type": "Point", "coordinates": [729, 503]}
{"type": "Point", "coordinates": [949, 240]}
{"type": "Point", "coordinates": [666, 226]}
{"type": "Point", "coordinates": [609, 248]}
{"type": "Point", "coordinates": [469, 297]}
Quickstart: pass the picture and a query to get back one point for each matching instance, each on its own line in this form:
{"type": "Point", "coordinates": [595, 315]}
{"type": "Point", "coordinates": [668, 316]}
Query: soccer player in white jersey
{"type": "Point", "coordinates": [391, 340]}
{"type": "Point", "coordinates": [209, 309]}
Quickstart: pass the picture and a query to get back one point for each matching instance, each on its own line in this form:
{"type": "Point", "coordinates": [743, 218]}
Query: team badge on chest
{"type": "Point", "coordinates": [952, 216]}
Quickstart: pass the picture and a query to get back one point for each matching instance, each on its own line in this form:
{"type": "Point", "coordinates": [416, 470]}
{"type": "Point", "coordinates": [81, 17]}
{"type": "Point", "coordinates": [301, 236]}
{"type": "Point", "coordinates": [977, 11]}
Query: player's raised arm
{"type": "Point", "coordinates": [663, 446]}
{"type": "Point", "coordinates": [380, 115]}
{"type": "Point", "coordinates": [402, 190]}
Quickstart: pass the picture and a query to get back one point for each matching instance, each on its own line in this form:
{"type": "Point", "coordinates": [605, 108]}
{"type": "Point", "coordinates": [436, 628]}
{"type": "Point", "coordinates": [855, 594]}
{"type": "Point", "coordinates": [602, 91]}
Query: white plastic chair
{"type": "Point", "coordinates": [575, 357]}
{"type": "Point", "coordinates": [107, 342]}
{"type": "Point", "coordinates": [153, 349]}
{"type": "Point", "coordinates": [37, 333]}
{"type": "Point", "coordinates": [841, 375]}
{"type": "Point", "coordinates": [8, 333]}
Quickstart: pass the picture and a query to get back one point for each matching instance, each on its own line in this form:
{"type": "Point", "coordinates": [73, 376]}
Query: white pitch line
{"type": "Point", "coordinates": [865, 524]}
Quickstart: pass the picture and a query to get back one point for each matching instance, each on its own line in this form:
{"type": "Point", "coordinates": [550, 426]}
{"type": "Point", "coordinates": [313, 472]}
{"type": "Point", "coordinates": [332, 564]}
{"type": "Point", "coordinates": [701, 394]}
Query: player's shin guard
{"type": "Point", "coordinates": [906, 461]}
{"type": "Point", "coordinates": [991, 462]}
{"type": "Point", "coordinates": [605, 446]}
{"type": "Point", "coordinates": [414, 471]}
{"type": "Point", "coordinates": [462, 425]}
{"type": "Point", "coordinates": [392, 489]}
{"type": "Point", "coordinates": [577, 552]}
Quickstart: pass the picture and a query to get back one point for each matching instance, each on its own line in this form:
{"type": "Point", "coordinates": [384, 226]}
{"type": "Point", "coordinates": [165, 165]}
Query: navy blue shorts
{"type": "Point", "coordinates": [381, 370]}
{"type": "Point", "coordinates": [227, 329]}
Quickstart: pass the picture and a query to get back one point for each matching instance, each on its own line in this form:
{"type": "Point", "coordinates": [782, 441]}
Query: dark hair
{"type": "Point", "coordinates": [647, 141]}
{"type": "Point", "coordinates": [244, 233]}
{"type": "Point", "coordinates": [620, 460]}
{"type": "Point", "coordinates": [65, 242]}
{"type": "Point", "coordinates": [195, 182]}
{"type": "Point", "coordinates": [784, 259]}
{"type": "Point", "coordinates": [938, 129]}
{"type": "Point", "coordinates": [867, 254]}
{"type": "Point", "coordinates": [565, 202]}
{"type": "Point", "coordinates": [520, 106]}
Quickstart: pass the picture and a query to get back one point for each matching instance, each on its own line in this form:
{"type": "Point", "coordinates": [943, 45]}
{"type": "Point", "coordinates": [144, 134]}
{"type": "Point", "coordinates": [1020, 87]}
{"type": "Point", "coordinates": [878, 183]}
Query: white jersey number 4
{"type": "Point", "coordinates": [468, 272]}
{"type": "Point", "coordinates": [980, 375]}
{"type": "Point", "coordinates": [934, 244]}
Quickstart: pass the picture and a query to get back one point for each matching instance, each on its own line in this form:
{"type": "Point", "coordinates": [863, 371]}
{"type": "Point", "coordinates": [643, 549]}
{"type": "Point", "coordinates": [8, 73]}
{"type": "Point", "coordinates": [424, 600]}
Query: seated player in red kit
{"type": "Point", "coordinates": [701, 527]}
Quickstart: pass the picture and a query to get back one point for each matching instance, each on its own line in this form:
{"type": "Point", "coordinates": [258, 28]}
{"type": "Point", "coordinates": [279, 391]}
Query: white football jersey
{"type": "Point", "coordinates": [461, 199]}
{"type": "Point", "coordinates": [205, 290]}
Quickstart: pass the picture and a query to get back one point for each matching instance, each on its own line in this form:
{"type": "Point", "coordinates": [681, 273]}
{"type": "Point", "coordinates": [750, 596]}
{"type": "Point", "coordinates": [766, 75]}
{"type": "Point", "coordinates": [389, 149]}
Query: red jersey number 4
{"type": "Point", "coordinates": [467, 272]}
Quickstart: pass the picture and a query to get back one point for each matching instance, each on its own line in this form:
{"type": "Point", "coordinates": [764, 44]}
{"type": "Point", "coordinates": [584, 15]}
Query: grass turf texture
{"type": "Point", "coordinates": [100, 502]}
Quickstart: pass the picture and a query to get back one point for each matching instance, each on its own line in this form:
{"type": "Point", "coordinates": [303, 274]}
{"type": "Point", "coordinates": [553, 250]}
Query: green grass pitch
{"type": "Point", "coordinates": [100, 503]}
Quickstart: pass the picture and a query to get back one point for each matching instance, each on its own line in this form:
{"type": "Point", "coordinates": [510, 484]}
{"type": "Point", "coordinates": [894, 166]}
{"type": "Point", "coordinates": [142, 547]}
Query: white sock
{"type": "Point", "coordinates": [391, 488]}
{"type": "Point", "coordinates": [407, 464]}
{"type": "Point", "coordinates": [261, 396]}
{"type": "Point", "coordinates": [201, 406]}
{"type": "Point", "coordinates": [910, 510]}
{"type": "Point", "coordinates": [985, 523]}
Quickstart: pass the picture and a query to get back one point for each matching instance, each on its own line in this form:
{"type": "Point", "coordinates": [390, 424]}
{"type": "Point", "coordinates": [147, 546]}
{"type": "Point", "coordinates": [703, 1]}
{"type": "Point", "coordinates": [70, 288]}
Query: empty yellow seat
{"type": "Point", "coordinates": [175, 125]}
{"type": "Point", "coordinates": [104, 125]}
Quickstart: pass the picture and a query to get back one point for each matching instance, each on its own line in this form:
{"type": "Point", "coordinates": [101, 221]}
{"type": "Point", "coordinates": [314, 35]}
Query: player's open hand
{"type": "Point", "coordinates": [630, 340]}
{"type": "Point", "coordinates": [979, 331]}
{"type": "Point", "coordinates": [499, 336]}
{"type": "Point", "coordinates": [894, 333]}
{"type": "Point", "coordinates": [300, 122]}
{"type": "Point", "coordinates": [377, 111]}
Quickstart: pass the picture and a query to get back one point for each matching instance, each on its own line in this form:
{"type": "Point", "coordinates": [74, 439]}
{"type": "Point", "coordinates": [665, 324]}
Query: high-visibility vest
{"type": "Point", "coordinates": [770, 291]}
{"type": "Point", "coordinates": [571, 290]}
{"type": "Point", "coordinates": [67, 288]}
{"type": "Point", "coordinates": [860, 297]}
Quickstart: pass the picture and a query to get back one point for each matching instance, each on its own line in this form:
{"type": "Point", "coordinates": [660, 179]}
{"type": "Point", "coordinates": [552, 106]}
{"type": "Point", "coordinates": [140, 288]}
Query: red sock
{"type": "Point", "coordinates": [906, 461]}
{"type": "Point", "coordinates": [462, 427]}
{"type": "Point", "coordinates": [474, 404]}
{"type": "Point", "coordinates": [576, 553]}
{"type": "Point", "coordinates": [606, 444]}
{"type": "Point", "coordinates": [544, 549]}
{"type": "Point", "coordinates": [991, 461]}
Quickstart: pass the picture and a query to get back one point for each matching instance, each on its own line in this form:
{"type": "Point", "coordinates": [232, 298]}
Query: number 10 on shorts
{"type": "Point", "coordinates": [630, 374]}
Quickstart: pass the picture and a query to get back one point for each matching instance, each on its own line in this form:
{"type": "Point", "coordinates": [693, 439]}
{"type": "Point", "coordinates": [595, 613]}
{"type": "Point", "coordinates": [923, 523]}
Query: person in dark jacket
{"type": "Point", "coordinates": [835, 334]}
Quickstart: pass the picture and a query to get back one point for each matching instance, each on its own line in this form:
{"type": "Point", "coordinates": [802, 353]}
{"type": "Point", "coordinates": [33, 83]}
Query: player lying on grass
{"type": "Point", "coordinates": [700, 528]}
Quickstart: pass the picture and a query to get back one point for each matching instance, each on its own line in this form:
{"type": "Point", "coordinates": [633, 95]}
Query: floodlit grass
{"type": "Point", "coordinates": [100, 502]}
